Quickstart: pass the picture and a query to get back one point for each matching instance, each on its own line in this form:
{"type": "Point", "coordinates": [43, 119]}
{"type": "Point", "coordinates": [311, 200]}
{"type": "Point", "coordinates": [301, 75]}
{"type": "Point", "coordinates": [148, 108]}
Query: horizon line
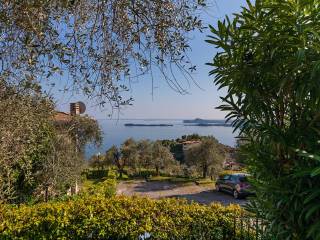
{"type": "Point", "coordinates": [160, 118]}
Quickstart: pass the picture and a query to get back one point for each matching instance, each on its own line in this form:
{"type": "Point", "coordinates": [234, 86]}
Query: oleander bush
{"type": "Point", "coordinates": [269, 64]}
{"type": "Point", "coordinates": [97, 217]}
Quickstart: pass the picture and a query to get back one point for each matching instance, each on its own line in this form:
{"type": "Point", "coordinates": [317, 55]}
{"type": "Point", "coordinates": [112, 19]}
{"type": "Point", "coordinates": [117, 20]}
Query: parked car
{"type": "Point", "coordinates": [236, 184]}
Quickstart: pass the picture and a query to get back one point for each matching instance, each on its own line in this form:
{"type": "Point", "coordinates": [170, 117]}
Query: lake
{"type": "Point", "coordinates": [115, 133]}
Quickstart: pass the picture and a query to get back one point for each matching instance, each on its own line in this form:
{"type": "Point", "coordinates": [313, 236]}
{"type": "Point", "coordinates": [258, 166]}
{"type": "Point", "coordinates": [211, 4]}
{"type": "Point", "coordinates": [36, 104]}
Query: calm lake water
{"type": "Point", "coordinates": [116, 133]}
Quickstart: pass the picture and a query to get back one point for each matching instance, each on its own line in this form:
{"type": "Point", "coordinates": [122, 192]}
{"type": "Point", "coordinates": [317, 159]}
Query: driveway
{"type": "Point", "coordinates": [204, 194]}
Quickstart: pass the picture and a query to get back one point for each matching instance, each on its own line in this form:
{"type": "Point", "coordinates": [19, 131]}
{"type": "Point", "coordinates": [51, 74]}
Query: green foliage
{"type": "Point", "coordinates": [26, 135]}
{"type": "Point", "coordinates": [98, 162]}
{"type": "Point", "coordinates": [111, 156]}
{"type": "Point", "coordinates": [146, 158]}
{"type": "Point", "coordinates": [240, 155]}
{"type": "Point", "coordinates": [176, 149]}
{"type": "Point", "coordinates": [96, 217]}
{"type": "Point", "coordinates": [162, 158]}
{"type": "Point", "coordinates": [269, 62]}
{"type": "Point", "coordinates": [105, 188]}
{"type": "Point", "coordinates": [129, 153]}
{"type": "Point", "coordinates": [143, 173]}
{"type": "Point", "coordinates": [134, 157]}
{"type": "Point", "coordinates": [95, 173]}
{"type": "Point", "coordinates": [207, 156]}
{"type": "Point", "coordinates": [96, 43]}
{"type": "Point", "coordinates": [191, 137]}
{"type": "Point", "coordinates": [38, 156]}
{"type": "Point", "coordinates": [85, 130]}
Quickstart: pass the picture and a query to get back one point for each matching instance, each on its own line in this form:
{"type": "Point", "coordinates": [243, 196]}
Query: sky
{"type": "Point", "coordinates": [165, 103]}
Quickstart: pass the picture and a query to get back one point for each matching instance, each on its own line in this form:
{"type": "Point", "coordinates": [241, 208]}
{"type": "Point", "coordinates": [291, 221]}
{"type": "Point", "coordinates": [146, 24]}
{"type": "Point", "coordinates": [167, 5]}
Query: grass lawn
{"type": "Point", "coordinates": [182, 180]}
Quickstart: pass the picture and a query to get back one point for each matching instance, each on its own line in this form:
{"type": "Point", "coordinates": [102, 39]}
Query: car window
{"type": "Point", "coordinates": [243, 179]}
{"type": "Point", "coordinates": [226, 177]}
{"type": "Point", "coordinates": [234, 178]}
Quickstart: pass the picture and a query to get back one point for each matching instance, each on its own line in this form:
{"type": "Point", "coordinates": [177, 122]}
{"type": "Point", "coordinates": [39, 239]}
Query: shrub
{"type": "Point", "coordinates": [107, 188]}
{"type": "Point", "coordinates": [269, 64]}
{"type": "Point", "coordinates": [95, 174]}
{"type": "Point", "coordinates": [96, 217]}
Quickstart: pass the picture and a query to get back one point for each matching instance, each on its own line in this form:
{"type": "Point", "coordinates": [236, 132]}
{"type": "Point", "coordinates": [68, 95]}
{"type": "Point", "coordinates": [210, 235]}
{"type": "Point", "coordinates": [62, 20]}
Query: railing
{"type": "Point", "coordinates": [244, 228]}
{"type": "Point", "coordinates": [248, 228]}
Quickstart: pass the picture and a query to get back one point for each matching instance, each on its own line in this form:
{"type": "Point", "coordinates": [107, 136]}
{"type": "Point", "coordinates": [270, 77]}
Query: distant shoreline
{"type": "Point", "coordinates": [209, 125]}
{"type": "Point", "coordinates": [205, 121]}
{"type": "Point", "coordinates": [147, 125]}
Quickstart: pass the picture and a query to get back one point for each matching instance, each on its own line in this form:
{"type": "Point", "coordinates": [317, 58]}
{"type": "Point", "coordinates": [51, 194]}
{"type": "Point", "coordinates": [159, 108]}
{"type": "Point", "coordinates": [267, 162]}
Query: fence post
{"type": "Point", "coordinates": [241, 226]}
{"type": "Point", "coordinates": [234, 227]}
{"type": "Point", "coordinates": [248, 227]}
{"type": "Point", "coordinates": [257, 228]}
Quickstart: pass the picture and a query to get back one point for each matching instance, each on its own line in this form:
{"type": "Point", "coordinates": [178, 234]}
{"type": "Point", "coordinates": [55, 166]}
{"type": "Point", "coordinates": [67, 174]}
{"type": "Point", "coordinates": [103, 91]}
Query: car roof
{"type": "Point", "coordinates": [236, 174]}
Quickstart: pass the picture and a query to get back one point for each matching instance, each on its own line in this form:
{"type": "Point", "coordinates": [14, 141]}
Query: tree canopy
{"type": "Point", "coordinates": [269, 62]}
{"type": "Point", "coordinates": [97, 44]}
{"type": "Point", "coordinates": [36, 153]}
{"type": "Point", "coordinates": [206, 156]}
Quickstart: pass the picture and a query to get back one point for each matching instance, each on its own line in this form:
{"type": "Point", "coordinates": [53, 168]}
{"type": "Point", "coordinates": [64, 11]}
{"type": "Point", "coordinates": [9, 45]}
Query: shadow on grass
{"type": "Point", "coordinates": [155, 186]}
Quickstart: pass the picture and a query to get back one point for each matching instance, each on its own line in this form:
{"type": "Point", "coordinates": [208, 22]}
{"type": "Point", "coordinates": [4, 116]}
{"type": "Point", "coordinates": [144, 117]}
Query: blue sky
{"type": "Point", "coordinates": [166, 103]}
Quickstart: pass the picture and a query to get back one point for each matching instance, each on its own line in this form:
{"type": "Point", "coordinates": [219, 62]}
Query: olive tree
{"type": "Point", "coordinates": [129, 153]}
{"type": "Point", "coordinates": [144, 148]}
{"type": "Point", "coordinates": [25, 139]}
{"type": "Point", "coordinates": [269, 63]}
{"type": "Point", "coordinates": [207, 156]}
{"type": "Point", "coordinates": [36, 154]}
{"type": "Point", "coordinates": [162, 158]}
{"type": "Point", "coordinates": [112, 156]}
{"type": "Point", "coordinates": [97, 161]}
{"type": "Point", "coordinates": [97, 43]}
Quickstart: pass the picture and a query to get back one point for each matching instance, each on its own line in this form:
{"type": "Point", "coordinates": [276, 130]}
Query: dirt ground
{"type": "Point", "coordinates": [204, 194]}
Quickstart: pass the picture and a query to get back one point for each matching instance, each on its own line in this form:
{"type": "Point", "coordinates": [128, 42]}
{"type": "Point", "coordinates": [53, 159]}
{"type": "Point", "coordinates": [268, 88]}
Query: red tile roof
{"type": "Point", "coordinates": [62, 117]}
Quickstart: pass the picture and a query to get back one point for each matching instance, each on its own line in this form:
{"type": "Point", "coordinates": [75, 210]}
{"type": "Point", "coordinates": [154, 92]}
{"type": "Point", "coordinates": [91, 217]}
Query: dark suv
{"type": "Point", "coordinates": [236, 184]}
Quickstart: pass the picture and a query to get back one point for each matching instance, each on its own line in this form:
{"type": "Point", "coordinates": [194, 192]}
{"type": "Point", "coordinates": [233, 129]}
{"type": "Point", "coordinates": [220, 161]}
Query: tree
{"type": "Point", "coordinates": [25, 140]}
{"type": "Point", "coordinates": [61, 169]}
{"type": "Point", "coordinates": [97, 161]}
{"type": "Point", "coordinates": [129, 153]}
{"type": "Point", "coordinates": [207, 156]}
{"type": "Point", "coordinates": [269, 62]}
{"type": "Point", "coordinates": [84, 130]}
{"type": "Point", "coordinates": [97, 43]}
{"type": "Point", "coordinates": [162, 158]}
{"type": "Point", "coordinates": [36, 154]}
{"type": "Point", "coordinates": [240, 150]}
{"type": "Point", "coordinates": [111, 156]}
{"type": "Point", "coordinates": [144, 148]}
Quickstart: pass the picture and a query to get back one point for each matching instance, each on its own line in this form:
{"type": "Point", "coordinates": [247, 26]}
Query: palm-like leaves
{"type": "Point", "coordinates": [269, 63]}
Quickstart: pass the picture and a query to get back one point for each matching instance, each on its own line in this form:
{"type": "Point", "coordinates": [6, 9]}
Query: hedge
{"type": "Point", "coordinates": [97, 217]}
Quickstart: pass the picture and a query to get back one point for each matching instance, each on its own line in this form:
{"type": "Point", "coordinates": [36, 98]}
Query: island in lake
{"type": "Point", "coordinates": [206, 123]}
{"type": "Point", "coordinates": [147, 125]}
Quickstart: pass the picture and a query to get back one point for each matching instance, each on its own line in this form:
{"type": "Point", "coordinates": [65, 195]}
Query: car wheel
{"type": "Point", "coordinates": [218, 188]}
{"type": "Point", "coordinates": [236, 194]}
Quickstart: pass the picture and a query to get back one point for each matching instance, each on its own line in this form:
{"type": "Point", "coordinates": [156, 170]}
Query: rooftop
{"type": "Point", "coordinates": [62, 117]}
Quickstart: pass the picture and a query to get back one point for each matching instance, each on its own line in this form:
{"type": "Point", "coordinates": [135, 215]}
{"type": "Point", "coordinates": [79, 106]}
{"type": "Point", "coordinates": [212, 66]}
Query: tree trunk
{"type": "Point", "coordinates": [157, 171]}
{"type": "Point", "coordinates": [46, 194]}
{"type": "Point", "coordinates": [204, 171]}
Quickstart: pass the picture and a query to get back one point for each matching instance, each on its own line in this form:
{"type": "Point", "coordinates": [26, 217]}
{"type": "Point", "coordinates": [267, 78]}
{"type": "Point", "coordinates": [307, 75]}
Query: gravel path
{"type": "Point", "coordinates": [204, 194]}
